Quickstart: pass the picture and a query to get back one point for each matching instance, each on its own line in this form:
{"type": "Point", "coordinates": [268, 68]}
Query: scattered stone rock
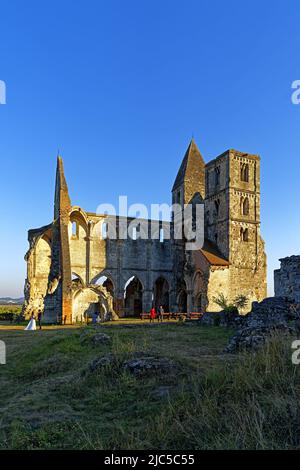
{"type": "Point", "coordinates": [94, 337]}
{"type": "Point", "coordinates": [101, 338]}
{"type": "Point", "coordinates": [140, 366]}
{"type": "Point", "coordinates": [102, 362]}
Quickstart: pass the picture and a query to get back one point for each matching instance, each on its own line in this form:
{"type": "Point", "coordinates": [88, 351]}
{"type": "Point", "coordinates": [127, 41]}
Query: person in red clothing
{"type": "Point", "coordinates": [152, 314]}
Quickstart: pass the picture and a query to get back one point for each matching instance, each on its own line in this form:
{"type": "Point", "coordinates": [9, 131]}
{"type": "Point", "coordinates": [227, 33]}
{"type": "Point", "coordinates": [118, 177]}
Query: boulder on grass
{"type": "Point", "coordinates": [141, 366]}
{"type": "Point", "coordinates": [102, 362]}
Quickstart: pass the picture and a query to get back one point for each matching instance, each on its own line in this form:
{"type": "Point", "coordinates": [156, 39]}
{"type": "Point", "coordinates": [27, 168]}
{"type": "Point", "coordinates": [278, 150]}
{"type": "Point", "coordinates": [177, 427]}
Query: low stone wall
{"type": "Point", "coordinates": [287, 279]}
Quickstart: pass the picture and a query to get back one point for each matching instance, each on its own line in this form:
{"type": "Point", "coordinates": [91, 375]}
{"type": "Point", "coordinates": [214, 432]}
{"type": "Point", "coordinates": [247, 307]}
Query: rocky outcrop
{"type": "Point", "coordinates": [271, 315]}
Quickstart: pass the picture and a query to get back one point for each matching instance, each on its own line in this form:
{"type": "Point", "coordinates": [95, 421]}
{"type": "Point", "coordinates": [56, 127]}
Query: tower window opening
{"type": "Point", "coordinates": [245, 206]}
{"type": "Point", "coordinates": [161, 235]}
{"type": "Point", "coordinates": [245, 172]}
{"type": "Point", "coordinates": [244, 234]}
{"type": "Point", "coordinates": [217, 175]}
{"type": "Point", "coordinates": [217, 206]}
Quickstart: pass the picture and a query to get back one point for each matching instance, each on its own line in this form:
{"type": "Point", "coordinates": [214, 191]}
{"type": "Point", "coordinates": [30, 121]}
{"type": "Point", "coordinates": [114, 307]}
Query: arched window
{"type": "Point", "coordinates": [104, 230]}
{"type": "Point", "coordinates": [134, 233]}
{"type": "Point", "coordinates": [245, 206]}
{"type": "Point", "coordinates": [244, 234]}
{"type": "Point", "coordinates": [74, 230]}
{"type": "Point", "coordinates": [161, 294]}
{"type": "Point", "coordinates": [217, 206]}
{"type": "Point", "coordinates": [133, 297]}
{"type": "Point", "coordinates": [217, 175]}
{"type": "Point", "coordinates": [245, 172]}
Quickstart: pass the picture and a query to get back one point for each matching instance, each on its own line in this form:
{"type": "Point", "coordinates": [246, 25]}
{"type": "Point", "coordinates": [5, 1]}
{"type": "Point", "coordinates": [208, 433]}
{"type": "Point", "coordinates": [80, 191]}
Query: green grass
{"type": "Point", "coordinates": [49, 399]}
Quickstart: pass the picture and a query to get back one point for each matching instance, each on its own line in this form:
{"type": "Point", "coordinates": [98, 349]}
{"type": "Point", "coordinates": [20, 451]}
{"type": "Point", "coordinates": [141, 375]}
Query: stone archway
{"type": "Point", "coordinates": [133, 297]}
{"type": "Point", "coordinates": [162, 294]}
{"type": "Point", "coordinates": [182, 302]}
{"type": "Point", "coordinates": [87, 302]}
{"type": "Point", "coordinates": [107, 282]}
{"type": "Point", "coordinates": [37, 283]}
{"type": "Point", "coordinates": [77, 282]}
{"type": "Point", "coordinates": [200, 292]}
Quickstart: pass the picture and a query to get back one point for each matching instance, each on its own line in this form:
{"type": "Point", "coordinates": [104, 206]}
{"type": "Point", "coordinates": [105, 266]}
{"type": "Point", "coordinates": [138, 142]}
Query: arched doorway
{"type": "Point", "coordinates": [106, 282]}
{"type": "Point", "coordinates": [86, 303]}
{"type": "Point", "coordinates": [133, 297]}
{"type": "Point", "coordinates": [161, 294]}
{"type": "Point", "coordinates": [77, 282]}
{"type": "Point", "coordinates": [200, 292]}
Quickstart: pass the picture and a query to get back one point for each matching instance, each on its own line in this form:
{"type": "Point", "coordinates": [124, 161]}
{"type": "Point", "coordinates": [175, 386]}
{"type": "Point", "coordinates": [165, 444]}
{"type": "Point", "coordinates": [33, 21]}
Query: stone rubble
{"type": "Point", "coordinates": [274, 314]}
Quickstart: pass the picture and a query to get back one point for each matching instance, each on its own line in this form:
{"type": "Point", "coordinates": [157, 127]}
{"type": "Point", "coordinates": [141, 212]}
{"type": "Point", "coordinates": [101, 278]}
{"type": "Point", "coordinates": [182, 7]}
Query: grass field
{"type": "Point", "coordinates": [50, 400]}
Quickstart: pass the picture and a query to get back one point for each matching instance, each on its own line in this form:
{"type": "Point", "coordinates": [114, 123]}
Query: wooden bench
{"type": "Point", "coordinates": [145, 316]}
{"type": "Point", "coordinates": [174, 316]}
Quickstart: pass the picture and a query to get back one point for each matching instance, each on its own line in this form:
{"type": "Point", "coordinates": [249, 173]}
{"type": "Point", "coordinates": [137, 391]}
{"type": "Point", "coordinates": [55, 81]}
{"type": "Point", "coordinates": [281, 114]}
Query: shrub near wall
{"type": "Point", "coordinates": [10, 313]}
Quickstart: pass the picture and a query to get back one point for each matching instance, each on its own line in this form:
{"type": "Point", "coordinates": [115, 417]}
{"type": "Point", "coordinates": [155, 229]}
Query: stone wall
{"type": "Point", "coordinates": [94, 256]}
{"type": "Point", "coordinates": [287, 279]}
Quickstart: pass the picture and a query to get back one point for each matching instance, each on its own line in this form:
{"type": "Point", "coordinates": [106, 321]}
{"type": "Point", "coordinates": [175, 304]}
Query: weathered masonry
{"type": "Point", "coordinates": [287, 279]}
{"type": "Point", "coordinates": [75, 269]}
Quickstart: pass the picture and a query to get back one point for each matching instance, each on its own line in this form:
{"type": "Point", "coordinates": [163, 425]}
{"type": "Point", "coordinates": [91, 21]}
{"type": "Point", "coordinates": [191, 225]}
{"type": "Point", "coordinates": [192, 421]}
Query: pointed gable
{"type": "Point", "coordinates": [191, 174]}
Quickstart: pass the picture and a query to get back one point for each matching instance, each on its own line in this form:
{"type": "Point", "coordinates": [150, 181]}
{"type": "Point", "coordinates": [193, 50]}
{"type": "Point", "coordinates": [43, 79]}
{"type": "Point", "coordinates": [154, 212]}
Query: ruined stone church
{"type": "Point", "coordinates": [75, 270]}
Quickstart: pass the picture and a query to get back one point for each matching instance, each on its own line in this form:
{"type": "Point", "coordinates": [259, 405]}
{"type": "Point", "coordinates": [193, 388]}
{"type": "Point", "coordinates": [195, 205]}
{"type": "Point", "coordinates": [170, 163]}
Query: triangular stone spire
{"type": "Point", "coordinates": [62, 200]}
{"type": "Point", "coordinates": [61, 259]}
{"type": "Point", "coordinates": [191, 175]}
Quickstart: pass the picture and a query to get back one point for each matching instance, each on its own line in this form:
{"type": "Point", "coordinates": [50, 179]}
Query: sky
{"type": "Point", "coordinates": [120, 87]}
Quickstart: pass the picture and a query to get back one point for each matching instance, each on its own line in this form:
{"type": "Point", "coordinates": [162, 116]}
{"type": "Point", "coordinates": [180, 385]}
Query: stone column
{"type": "Point", "coordinates": [172, 301]}
{"type": "Point", "coordinates": [119, 303]}
{"type": "Point", "coordinates": [147, 300]}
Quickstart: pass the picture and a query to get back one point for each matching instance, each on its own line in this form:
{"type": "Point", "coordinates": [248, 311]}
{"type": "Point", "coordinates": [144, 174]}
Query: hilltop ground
{"type": "Point", "coordinates": [51, 400]}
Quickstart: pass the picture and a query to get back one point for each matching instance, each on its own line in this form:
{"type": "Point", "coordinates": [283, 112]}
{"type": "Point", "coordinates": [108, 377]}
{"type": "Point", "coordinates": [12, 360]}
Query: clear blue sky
{"type": "Point", "coordinates": [121, 86]}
